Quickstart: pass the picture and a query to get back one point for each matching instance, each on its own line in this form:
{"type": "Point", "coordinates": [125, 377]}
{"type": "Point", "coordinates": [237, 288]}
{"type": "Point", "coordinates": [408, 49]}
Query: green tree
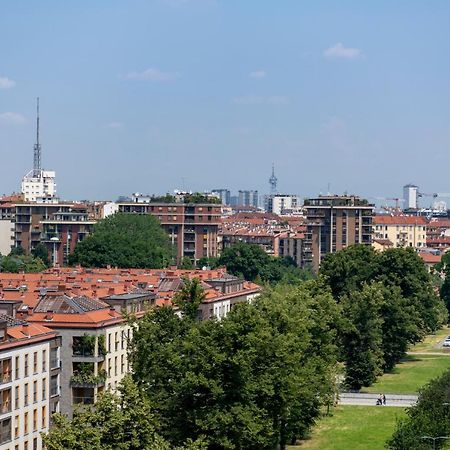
{"type": "Point", "coordinates": [429, 417]}
{"type": "Point", "coordinates": [27, 264]}
{"type": "Point", "coordinates": [362, 337]}
{"type": "Point", "coordinates": [444, 268]}
{"type": "Point", "coordinates": [41, 252]}
{"type": "Point", "coordinates": [125, 240]}
{"type": "Point", "coordinates": [254, 380]}
{"type": "Point", "coordinates": [122, 421]}
{"type": "Point", "coordinates": [189, 297]}
{"type": "Point", "coordinates": [251, 262]}
{"type": "Point", "coordinates": [17, 251]}
{"type": "Point", "coordinates": [186, 264]}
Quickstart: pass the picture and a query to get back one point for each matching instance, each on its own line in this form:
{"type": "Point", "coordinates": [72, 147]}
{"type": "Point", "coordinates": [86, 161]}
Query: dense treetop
{"type": "Point", "coordinates": [125, 240]}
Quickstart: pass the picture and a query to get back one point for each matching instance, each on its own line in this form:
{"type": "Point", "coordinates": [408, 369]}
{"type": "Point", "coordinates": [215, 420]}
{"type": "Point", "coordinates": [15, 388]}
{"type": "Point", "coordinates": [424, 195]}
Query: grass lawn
{"type": "Point", "coordinates": [353, 427]}
{"type": "Point", "coordinates": [430, 342]}
{"type": "Point", "coordinates": [409, 375]}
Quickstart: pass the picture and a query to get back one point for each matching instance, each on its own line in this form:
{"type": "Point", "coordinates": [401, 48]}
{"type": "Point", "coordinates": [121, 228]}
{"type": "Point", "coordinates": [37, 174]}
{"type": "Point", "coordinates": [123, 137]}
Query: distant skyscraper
{"type": "Point", "coordinates": [223, 194]}
{"type": "Point", "coordinates": [410, 195]}
{"type": "Point", "coordinates": [248, 198]}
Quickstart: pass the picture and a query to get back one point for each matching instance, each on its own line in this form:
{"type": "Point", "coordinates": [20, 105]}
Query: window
{"type": "Point", "coordinates": [26, 366]}
{"type": "Point", "coordinates": [17, 397]}
{"type": "Point", "coordinates": [5, 430]}
{"type": "Point", "coordinates": [44, 361]}
{"type": "Point", "coordinates": [16, 426]}
{"type": "Point", "coordinates": [54, 385]}
{"type": "Point", "coordinates": [25, 423]}
{"type": "Point", "coordinates": [5, 370]}
{"type": "Point", "coordinates": [25, 445]}
{"type": "Point", "coordinates": [34, 391]}
{"type": "Point", "coordinates": [25, 396]}
{"type": "Point", "coordinates": [116, 341]}
{"type": "Point", "coordinates": [122, 364]}
{"type": "Point", "coordinates": [35, 415]}
{"type": "Point", "coordinates": [109, 342]}
{"type": "Point", "coordinates": [35, 362]}
{"type": "Point", "coordinates": [54, 360]}
{"type": "Point", "coordinates": [44, 389]}
{"type": "Point", "coordinates": [17, 364]}
{"type": "Point", "coordinates": [35, 444]}
{"type": "Point", "coordinates": [44, 417]}
{"type": "Point", "coordinates": [115, 366]}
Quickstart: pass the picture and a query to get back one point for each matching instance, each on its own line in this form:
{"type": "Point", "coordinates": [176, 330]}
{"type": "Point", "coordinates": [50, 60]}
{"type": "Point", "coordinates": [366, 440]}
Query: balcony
{"type": "Point", "coordinates": [88, 380]}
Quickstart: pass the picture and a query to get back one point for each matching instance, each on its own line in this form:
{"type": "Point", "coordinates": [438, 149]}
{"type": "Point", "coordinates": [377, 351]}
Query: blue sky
{"type": "Point", "coordinates": [154, 95]}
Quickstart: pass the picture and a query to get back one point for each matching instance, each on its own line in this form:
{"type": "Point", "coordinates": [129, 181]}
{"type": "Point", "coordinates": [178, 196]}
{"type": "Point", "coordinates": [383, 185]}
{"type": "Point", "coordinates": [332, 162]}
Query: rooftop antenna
{"type": "Point", "coordinates": [273, 180]}
{"type": "Point", "coordinates": [37, 147]}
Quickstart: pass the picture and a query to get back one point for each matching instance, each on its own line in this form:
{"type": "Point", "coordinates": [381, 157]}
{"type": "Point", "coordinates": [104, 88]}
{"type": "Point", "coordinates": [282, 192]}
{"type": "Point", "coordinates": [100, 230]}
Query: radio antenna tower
{"type": "Point", "coordinates": [37, 147]}
{"type": "Point", "coordinates": [273, 180]}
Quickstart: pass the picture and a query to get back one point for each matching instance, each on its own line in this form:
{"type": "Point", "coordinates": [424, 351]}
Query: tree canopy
{"type": "Point", "coordinates": [388, 302]}
{"type": "Point", "coordinates": [21, 263]}
{"type": "Point", "coordinates": [122, 421]}
{"type": "Point", "coordinates": [256, 379]}
{"type": "Point", "coordinates": [429, 417]}
{"type": "Point", "coordinates": [252, 263]}
{"type": "Point", "coordinates": [125, 240]}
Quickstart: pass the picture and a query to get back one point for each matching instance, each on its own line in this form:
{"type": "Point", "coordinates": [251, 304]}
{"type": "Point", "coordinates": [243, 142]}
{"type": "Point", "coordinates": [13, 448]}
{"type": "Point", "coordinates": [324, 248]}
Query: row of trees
{"type": "Point", "coordinates": [387, 302]}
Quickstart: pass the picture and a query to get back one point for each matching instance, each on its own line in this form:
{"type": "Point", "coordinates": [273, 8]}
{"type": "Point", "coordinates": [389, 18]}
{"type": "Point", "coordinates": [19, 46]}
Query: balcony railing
{"type": "Point", "coordinates": [84, 400]}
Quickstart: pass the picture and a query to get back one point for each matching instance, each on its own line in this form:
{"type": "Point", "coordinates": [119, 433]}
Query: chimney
{"type": "Point", "coordinates": [112, 311]}
{"type": "Point", "coordinates": [111, 291]}
{"type": "Point", "coordinates": [49, 315]}
{"type": "Point", "coordinates": [25, 329]}
{"type": "Point", "coordinates": [30, 310]}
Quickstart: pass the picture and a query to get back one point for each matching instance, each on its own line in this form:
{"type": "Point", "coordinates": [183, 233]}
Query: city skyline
{"type": "Point", "coordinates": [155, 96]}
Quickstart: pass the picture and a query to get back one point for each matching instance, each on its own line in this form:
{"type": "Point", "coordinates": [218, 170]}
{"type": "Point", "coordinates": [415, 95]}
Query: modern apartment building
{"type": "Point", "coordinates": [94, 337]}
{"type": "Point", "coordinates": [281, 204]}
{"type": "Point", "coordinates": [333, 223]}
{"type": "Point", "coordinates": [29, 382]}
{"type": "Point", "coordinates": [192, 228]}
{"type": "Point", "coordinates": [60, 226]}
{"type": "Point", "coordinates": [402, 231]}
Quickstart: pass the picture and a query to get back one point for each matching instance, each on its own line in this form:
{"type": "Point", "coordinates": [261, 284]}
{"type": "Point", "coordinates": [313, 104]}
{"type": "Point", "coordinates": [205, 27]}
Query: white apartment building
{"type": "Point", "coordinates": [29, 383]}
{"type": "Point", "coordinates": [40, 186]}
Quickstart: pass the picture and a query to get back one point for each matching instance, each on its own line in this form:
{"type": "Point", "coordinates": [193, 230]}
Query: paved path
{"type": "Point", "coordinates": [429, 353]}
{"type": "Point", "coordinates": [400, 400]}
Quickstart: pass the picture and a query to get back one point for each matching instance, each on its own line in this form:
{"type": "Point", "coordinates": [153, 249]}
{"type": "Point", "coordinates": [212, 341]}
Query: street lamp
{"type": "Point", "coordinates": [434, 439]}
{"type": "Point", "coordinates": [55, 241]}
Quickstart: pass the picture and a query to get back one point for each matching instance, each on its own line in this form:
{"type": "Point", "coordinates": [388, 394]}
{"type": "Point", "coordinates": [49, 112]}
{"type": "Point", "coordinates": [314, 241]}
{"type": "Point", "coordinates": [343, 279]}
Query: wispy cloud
{"type": "Point", "coordinates": [151, 74]}
{"type": "Point", "coordinates": [12, 118]}
{"type": "Point", "coordinates": [257, 74]}
{"type": "Point", "coordinates": [261, 100]}
{"type": "Point", "coordinates": [338, 51]}
{"type": "Point", "coordinates": [114, 125]}
{"type": "Point", "coordinates": [6, 83]}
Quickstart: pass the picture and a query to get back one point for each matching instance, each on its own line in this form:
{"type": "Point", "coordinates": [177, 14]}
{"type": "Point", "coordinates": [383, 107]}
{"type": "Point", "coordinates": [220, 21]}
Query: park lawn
{"type": "Point", "coordinates": [410, 374]}
{"type": "Point", "coordinates": [431, 341]}
{"type": "Point", "coordinates": [353, 427]}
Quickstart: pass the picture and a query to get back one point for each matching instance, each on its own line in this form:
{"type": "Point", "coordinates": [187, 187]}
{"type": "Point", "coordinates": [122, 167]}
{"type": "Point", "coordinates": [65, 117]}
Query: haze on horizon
{"type": "Point", "coordinates": [154, 95]}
